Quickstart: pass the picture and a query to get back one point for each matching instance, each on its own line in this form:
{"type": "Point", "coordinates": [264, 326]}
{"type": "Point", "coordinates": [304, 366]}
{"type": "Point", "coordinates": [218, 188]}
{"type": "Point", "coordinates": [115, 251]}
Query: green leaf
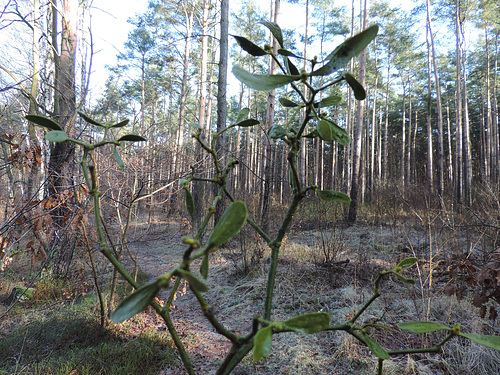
{"type": "Point", "coordinates": [275, 30]}
{"type": "Point", "coordinates": [229, 224]}
{"type": "Point", "coordinates": [329, 101]}
{"type": "Point", "coordinates": [204, 266]}
{"type": "Point", "coordinates": [56, 136]}
{"type": "Point", "coordinates": [193, 281]}
{"type": "Point", "coordinates": [357, 88]}
{"type": "Point", "coordinates": [339, 135]}
{"type": "Point", "coordinates": [121, 124]}
{"type": "Point", "coordinates": [407, 262]}
{"type": "Point", "coordinates": [333, 196]}
{"type": "Point", "coordinates": [291, 68]}
{"type": "Point", "coordinates": [284, 52]}
{"type": "Point", "coordinates": [485, 340]}
{"type": "Point", "coordinates": [242, 115]}
{"type": "Point", "coordinates": [287, 103]}
{"type": "Point", "coordinates": [339, 58]}
{"type": "Point", "coordinates": [375, 347]}
{"type": "Point", "coordinates": [262, 343]}
{"type": "Point", "coordinates": [135, 303]}
{"type": "Point", "coordinates": [189, 200]}
{"type": "Point", "coordinates": [132, 138]}
{"type": "Point", "coordinates": [249, 122]}
{"type": "Point", "coordinates": [308, 323]}
{"type": "Point", "coordinates": [404, 279]}
{"type": "Point", "coordinates": [249, 46]}
{"type": "Point", "coordinates": [325, 130]}
{"type": "Point", "coordinates": [90, 120]}
{"type": "Point", "coordinates": [422, 327]}
{"type": "Point", "coordinates": [277, 132]}
{"type": "Point", "coordinates": [44, 121]}
{"type": "Point", "coordinates": [263, 82]}
{"type": "Point", "coordinates": [118, 159]}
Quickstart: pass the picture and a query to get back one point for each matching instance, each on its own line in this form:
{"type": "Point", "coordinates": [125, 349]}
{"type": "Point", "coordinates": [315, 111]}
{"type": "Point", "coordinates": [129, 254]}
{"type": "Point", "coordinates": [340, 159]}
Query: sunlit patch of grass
{"type": "Point", "coordinates": [71, 342]}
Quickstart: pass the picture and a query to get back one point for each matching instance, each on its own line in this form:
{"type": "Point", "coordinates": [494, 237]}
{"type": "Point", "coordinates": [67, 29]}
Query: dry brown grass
{"type": "Point", "coordinates": [309, 281]}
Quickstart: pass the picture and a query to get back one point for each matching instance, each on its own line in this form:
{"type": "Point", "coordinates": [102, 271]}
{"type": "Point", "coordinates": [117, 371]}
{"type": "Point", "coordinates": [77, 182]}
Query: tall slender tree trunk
{"type": "Point", "coordinates": [222, 88]}
{"type": "Point", "coordinates": [347, 171]}
{"type": "Point", "coordinates": [268, 161]}
{"type": "Point", "coordinates": [403, 138]}
{"type": "Point", "coordinates": [439, 110]}
{"type": "Point", "coordinates": [494, 118]}
{"type": "Point", "coordinates": [304, 141]}
{"type": "Point", "coordinates": [409, 148]}
{"type": "Point", "coordinates": [356, 155]}
{"type": "Point", "coordinates": [386, 123]}
{"type": "Point", "coordinates": [458, 107]}
{"type": "Point", "coordinates": [450, 145]}
{"type": "Point", "coordinates": [189, 15]}
{"type": "Point", "coordinates": [33, 178]}
{"type": "Point", "coordinates": [467, 146]}
{"type": "Point", "coordinates": [202, 110]}
{"type": "Point", "coordinates": [487, 123]}
{"type": "Point", "coordinates": [430, 167]}
{"type": "Point", "coordinates": [374, 132]}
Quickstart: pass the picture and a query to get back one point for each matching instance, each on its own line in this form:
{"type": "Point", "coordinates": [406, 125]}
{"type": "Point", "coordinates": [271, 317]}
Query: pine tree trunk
{"type": "Point", "coordinates": [386, 123]}
{"type": "Point", "coordinates": [374, 132]}
{"type": "Point", "coordinates": [268, 161]}
{"type": "Point", "coordinates": [202, 110]}
{"type": "Point", "coordinates": [430, 167]}
{"type": "Point", "coordinates": [181, 121]}
{"type": "Point", "coordinates": [439, 110]}
{"type": "Point", "coordinates": [458, 108]}
{"type": "Point", "coordinates": [222, 89]}
{"type": "Point", "coordinates": [356, 155]}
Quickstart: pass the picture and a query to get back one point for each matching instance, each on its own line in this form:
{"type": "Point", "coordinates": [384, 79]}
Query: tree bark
{"type": "Point", "coordinates": [189, 14]}
{"type": "Point", "coordinates": [430, 168]}
{"type": "Point", "coordinates": [458, 106]}
{"type": "Point", "coordinates": [439, 109]}
{"type": "Point", "coordinates": [268, 161]}
{"type": "Point", "coordinates": [222, 88]}
{"type": "Point", "coordinates": [202, 104]}
{"type": "Point", "coordinates": [356, 162]}
{"type": "Point", "coordinates": [61, 164]}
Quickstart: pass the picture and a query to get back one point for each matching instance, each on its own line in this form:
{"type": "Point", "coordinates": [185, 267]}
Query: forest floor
{"type": "Point", "coordinates": [328, 270]}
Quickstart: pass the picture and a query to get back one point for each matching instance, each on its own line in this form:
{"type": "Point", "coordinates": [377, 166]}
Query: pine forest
{"type": "Point", "coordinates": [259, 187]}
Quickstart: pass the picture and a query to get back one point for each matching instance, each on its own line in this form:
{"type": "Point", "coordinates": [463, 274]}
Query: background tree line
{"type": "Point", "coordinates": [430, 120]}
